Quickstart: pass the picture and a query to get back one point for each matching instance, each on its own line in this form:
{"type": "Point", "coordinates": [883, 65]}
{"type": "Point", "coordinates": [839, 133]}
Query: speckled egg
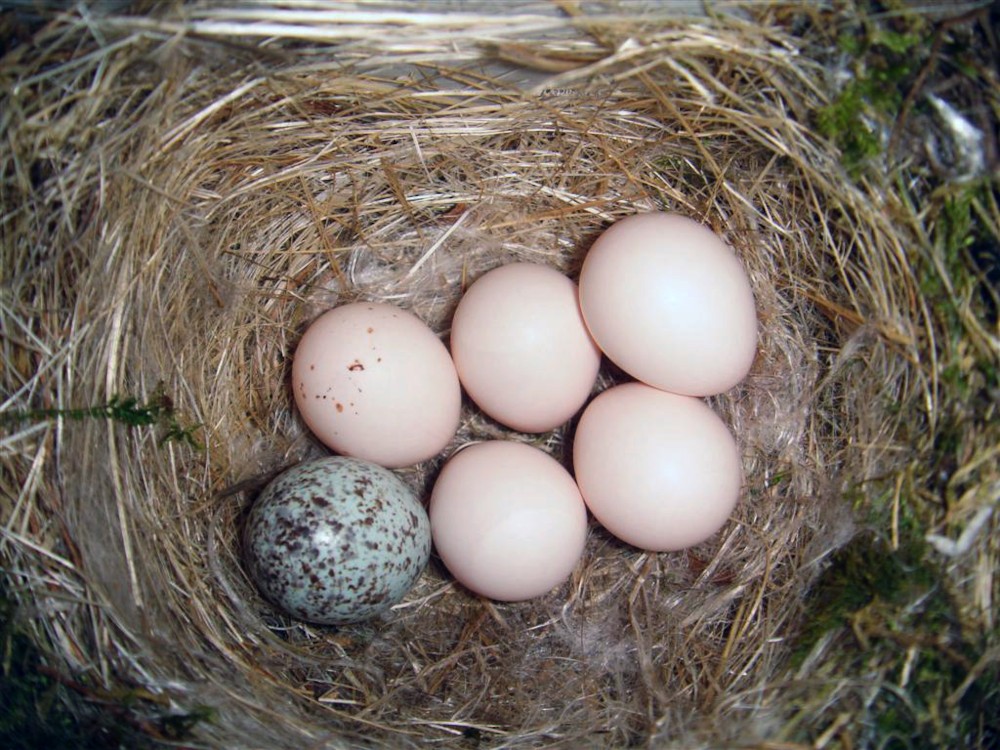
{"type": "Point", "coordinates": [337, 540]}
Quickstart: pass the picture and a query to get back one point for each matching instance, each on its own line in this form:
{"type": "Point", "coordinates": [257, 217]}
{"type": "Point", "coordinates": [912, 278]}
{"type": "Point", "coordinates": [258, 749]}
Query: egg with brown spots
{"type": "Point", "coordinates": [336, 541]}
{"type": "Point", "coordinates": [373, 381]}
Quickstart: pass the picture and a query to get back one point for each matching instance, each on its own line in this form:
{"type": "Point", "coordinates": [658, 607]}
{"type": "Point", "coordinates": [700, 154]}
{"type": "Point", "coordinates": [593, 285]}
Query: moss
{"type": "Point", "coordinates": [863, 573]}
{"type": "Point", "coordinates": [883, 63]}
{"type": "Point", "coordinates": [843, 121]}
{"type": "Point", "coordinates": [894, 625]}
{"type": "Point", "coordinates": [922, 716]}
{"type": "Point", "coordinates": [856, 119]}
{"type": "Point", "coordinates": [957, 272]}
{"type": "Point", "coordinates": [969, 252]}
{"type": "Point", "coordinates": [127, 410]}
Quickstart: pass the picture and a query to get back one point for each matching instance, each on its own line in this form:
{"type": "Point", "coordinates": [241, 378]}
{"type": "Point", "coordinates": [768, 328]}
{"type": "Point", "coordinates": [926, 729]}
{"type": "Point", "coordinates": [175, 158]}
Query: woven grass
{"type": "Point", "coordinates": [183, 191]}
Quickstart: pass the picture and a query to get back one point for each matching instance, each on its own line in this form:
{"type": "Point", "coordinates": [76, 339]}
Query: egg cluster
{"type": "Point", "coordinates": [659, 295]}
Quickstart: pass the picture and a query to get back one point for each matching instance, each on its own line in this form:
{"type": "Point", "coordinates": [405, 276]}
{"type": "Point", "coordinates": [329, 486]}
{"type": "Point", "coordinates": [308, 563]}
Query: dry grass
{"type": "Point", "coordinates": [183, 193]}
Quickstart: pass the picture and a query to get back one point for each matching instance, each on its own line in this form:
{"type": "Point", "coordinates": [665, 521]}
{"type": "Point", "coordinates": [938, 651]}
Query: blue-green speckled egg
{"type": "Point", "coordinates": [336, 540]}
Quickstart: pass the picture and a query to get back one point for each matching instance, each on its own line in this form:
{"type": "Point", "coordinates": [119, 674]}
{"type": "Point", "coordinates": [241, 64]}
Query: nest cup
{"type": "Point", "coordinates": [185, 191]}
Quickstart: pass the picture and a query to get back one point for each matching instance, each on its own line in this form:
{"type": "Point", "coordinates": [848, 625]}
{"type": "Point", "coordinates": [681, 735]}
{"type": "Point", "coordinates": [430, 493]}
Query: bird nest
{"type": "Point", "coordinates": [184, 191]}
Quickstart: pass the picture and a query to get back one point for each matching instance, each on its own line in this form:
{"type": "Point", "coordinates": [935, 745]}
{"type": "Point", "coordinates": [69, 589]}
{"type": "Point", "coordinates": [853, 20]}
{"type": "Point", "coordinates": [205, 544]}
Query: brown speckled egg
{"type": "Point", "coordinates": [371, 380]}
{"type": "Point", "coordinates": [337, 540]}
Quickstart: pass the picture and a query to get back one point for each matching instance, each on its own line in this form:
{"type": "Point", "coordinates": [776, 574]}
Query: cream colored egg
{"type": "Point", "coordinates": [521, 348]}
{"type": "Point", "coordinates": [507, 520]}
{"type": "Point", "coordinates": [670, 303]}
{"type": "Point", "coordinates": [374, 382]}
{"type": "Point", "coordinates": [658, 470]}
